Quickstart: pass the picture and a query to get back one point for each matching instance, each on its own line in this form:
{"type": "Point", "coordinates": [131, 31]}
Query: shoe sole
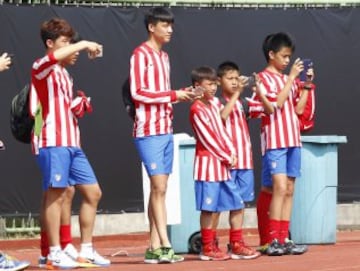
{"type": "Point", "coordinates": [88, 265]}
{"type": "Point", "coordinates": [207, 258]}
{"type": "Point", "coordinates": [19, 267]}
{"type": "Point", "coordinates": [178, 260]}
{"type": "Point", "coordinates": [52, 267]}
{"type": "Point", "coordinates": [276, 254]}
{"type": "Point", "coordinates": [151, 261]}
{"type": "Point", "coordinates": [243, 257]}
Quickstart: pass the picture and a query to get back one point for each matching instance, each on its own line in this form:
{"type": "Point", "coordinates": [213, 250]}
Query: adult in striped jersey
{"type": "Point", "coordinates": [215, 191]}
{"type": "Point", "coordinates": [280, 139]}
{"type": "Point", "coordinates": [56, 140]}
{"type": "Point", "coordinates": [153, 98]}
{"type": "Point", "coordinates": [235, 121]}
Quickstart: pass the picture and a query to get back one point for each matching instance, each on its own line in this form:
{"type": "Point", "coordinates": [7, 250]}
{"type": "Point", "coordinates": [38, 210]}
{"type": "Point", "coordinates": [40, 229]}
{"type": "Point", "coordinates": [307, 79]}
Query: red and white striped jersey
{"type": "Point", "coordinates": [151, 91]}
{"type": "Point", "coordinates": [237, 128]}
{"type": "Point", "coordinates": [53, 87]}
{"type": "Point", "coordinates": [214, 148]}
{"type": "Point", "coordinates": [280, 129]}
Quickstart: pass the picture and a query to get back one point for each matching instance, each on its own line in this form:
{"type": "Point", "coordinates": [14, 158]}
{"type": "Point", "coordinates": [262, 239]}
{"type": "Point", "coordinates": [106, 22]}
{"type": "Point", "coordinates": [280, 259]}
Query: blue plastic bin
{"type": "Point", "coordinates": [313, 218]}
{"type": "Point", "coordinates": [180, 235]}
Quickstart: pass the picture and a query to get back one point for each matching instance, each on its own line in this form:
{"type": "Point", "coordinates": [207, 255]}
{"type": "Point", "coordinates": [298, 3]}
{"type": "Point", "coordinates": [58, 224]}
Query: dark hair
{"type": "Point", "coordinates": [225, 67]}
{"type": "Point", "coordinates": [158, 14]}
{"type": "Point", "coordinates": [54, 28]}
{"type": "Point", "coordinates": [203, 73]}
{"type": "Point", "coordinates": [275, 42]}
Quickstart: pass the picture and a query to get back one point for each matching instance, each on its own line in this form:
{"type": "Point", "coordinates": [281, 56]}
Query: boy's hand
{"type": "Point", "coordinates": [243, 81]}
{"type": "Point", "coordinates": [233, 161]}
{"type": "Point", "coordinates": [185, 95]}
{"type": "Point", "coordinates": [5, 62]}
{"type": "Point", "coordinates": [310, 75]}
{"type": "Point", "coordinates": [296, 68]}
{"type": "Point", "coordinates": [94, 49]}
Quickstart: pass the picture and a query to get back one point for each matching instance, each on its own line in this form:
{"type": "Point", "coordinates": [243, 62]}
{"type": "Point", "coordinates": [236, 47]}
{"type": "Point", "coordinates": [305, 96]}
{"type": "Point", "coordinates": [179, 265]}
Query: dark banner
{"type": "Point", "coordinates": [203, 36]}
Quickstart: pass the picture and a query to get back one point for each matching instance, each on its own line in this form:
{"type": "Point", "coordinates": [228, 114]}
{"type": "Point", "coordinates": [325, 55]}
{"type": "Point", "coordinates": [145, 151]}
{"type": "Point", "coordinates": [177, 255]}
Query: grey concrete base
{"type": "Point", "coordinates": [348, 217]}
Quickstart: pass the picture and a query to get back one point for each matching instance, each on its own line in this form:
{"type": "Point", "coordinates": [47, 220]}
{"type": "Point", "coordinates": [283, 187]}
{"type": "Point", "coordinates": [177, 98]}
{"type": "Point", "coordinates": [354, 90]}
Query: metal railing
{"type": "Point", "coordinates": [253, 4]}
{"type": "Point", "coordinates": [19, 226]}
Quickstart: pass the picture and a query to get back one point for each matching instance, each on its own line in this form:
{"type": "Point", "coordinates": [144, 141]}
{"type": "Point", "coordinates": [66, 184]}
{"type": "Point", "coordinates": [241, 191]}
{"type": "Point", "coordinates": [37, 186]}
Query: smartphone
{"type": "Point", "coordinates": [251, 81]}
{"type": "Point", "coordinates": [308, 64]}
{"type": "Point", "coordinates": [198, 90]}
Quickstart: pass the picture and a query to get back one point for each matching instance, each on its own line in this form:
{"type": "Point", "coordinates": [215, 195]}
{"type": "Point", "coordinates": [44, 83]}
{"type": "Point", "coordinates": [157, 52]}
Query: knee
{"type": "Point", "coordinates": [92, 196]}
{"type": "Point", "coordinates": [281, 191]}
{"type": "Point", "coordinates": [290, 191]}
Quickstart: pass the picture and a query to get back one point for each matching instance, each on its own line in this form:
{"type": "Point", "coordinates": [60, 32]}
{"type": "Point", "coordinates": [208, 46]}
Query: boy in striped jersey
{"type": "Point", "coordinates": [280, 139]}
{"type": "Point", "coordinates": [153, 98]}
{"type": "Point", "coordinates": [306, 116]}
{"type": "Point", "coordinates": [234, 117]}
{"type": "Point", "coordinates": [56, 140]}
{"type": "Point", "coordinates": [215, 191]}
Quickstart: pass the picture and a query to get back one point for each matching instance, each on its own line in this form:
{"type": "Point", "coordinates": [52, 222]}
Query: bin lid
{"type": "Point", "coordinates": [324, 139]}
{"type": "Point", "coordinates": [190, 141]}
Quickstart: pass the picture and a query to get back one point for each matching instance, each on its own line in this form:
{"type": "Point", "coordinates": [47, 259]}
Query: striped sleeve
{"type": "Point", "coordinates": [209, 137]}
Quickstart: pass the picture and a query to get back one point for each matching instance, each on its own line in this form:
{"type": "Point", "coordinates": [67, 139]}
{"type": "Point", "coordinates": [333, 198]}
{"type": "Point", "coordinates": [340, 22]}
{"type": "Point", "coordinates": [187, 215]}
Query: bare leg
{"type": "Point", "coordinates": [91, 194]}
{"type": "Point", "coordinates": [288, 202]}
{"type": "Point", "coordinates": [278, 197]}
{"type": "Point", "coordinates": [66, 207]}
{"type": "Point", "coordinates": [157, 212]}
{"type": "Point", "coordinates": [236, 218]}
{"type": "Point", "coordinates": [52, 213]}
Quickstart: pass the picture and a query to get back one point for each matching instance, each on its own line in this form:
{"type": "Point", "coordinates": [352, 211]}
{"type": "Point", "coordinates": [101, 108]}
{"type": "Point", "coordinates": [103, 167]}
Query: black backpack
{"type": "Point", "coordinates": [127, 99]}
{"type": "Point", "coordinates": [21, 123]}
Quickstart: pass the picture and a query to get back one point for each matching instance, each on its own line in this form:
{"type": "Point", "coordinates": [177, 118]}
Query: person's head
{"type": "Point", "coordinates": [56, 33]}
{"type": "Point", "coordinates": [206, 78]}
{"type": "Point", "coordinates": [228, 77]}
{"type": "Point", "coordinates": [277, 49]}
{"type": "Point", "coordinates": [71, 60]}
{"type": "Point", "coordinates": [159, 24]}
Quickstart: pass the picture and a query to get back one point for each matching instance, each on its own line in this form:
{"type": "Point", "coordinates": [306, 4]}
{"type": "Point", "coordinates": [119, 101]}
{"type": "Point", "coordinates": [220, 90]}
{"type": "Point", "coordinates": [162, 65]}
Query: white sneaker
{"type": "Point", "coordinates": [60, 261]}
{"type": "Point", "coordinates": [95, 258]}
{"type": "Point", "coordinates": [71, 251]}
{"type": "Point", "coordinates": [8, 263]}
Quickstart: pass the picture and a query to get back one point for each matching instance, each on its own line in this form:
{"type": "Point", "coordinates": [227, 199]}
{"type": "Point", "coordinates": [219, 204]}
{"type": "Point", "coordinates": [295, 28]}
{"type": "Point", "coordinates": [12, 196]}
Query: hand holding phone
{"type": "Point", "coordinates": [308, 64]}
{"type": "Point", "coordinates": [198, 90]}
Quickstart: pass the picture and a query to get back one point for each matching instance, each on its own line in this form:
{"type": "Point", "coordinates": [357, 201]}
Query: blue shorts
{"type": "Point", "coordinates": [217, 196]}
{"type": "Point", "coordinates": [64, 166]}
{"type": "Point", "coordinates": [157, 153]}
{"type": "Point", "coordinates": [281, 161]}
{"type": "Point", "coordinates": [244, 179]}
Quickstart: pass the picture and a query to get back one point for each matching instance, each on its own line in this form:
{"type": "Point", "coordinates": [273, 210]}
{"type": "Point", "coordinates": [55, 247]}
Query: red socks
{"type": "Point", "coordinates": [65, 238]}
{"type": "Point", "coordinates": [44, 244]}
{"type": "Point", "coordinates": [65, 235]}
{"type": "Point", "coordinates": [235, 235]}
{"type": "Point", "coordinates": [284, 231]}
{"type": "Point", "coordinates": [262, 209]}
{"type": "Point", "coordinates": [207, 236]}
{"type": "Point", "coordinates": [274, 229]}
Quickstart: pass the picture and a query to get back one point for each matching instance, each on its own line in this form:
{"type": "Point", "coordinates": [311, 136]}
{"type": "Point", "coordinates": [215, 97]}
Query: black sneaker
{"type": "Point", "coordinates": [275, 249]}
{"type": "Point", "coordinates": [292, 249]}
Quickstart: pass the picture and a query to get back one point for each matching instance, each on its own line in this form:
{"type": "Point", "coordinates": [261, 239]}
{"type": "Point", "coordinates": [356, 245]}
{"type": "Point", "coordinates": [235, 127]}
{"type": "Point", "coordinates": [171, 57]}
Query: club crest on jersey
{"type": "Point", "coordinates": [57, 177]}
{"type": "Point", "coordinates": [208, 200]}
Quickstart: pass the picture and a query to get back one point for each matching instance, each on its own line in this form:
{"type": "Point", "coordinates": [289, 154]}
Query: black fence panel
{"type": "Point", "coordinates": [202, 36]}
